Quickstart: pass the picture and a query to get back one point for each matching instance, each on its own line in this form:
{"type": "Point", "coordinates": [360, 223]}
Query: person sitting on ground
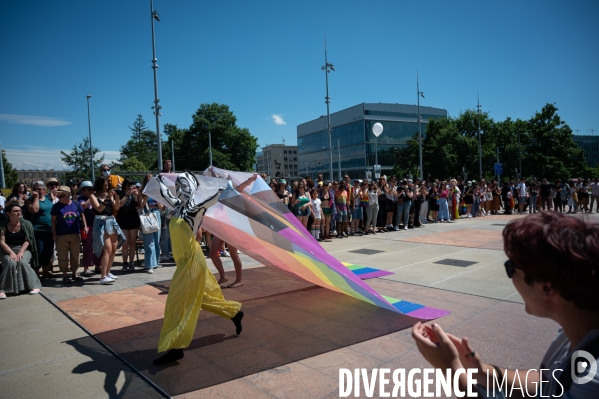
{"type": "Point", "coordinates": [67, 216]}
{"type": "Point", "coordinates": [552, 261]}
{"type": "Point", "coordinates": [17, 251]}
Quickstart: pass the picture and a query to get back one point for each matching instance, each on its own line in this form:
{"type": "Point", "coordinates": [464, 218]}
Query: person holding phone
{"type": "Point", "coordinates": [128, 219]}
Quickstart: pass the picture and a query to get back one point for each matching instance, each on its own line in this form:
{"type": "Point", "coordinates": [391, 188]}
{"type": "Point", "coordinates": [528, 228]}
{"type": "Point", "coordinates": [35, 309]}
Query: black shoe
{"type": "Point", "coordinates": [171, 356]}
{"type": "Point", "coordinates": [339, 236]}
{"type": "Point", "coordinates": [237, 321]}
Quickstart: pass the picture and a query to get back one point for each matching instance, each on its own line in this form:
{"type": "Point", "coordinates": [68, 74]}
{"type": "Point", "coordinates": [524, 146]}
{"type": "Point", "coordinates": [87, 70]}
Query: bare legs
{"type": "Point", "coordinates": [128, 250]}
{"type": "Point", "coordinates": [110, 244]}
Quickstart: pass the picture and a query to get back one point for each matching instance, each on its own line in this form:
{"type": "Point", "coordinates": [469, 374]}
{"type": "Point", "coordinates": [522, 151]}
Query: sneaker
{"type": "Point", "coordinates": [106, 280]}
{"type": "Point", "coordinates": [396, 228]}
{"type": "Point", "coordinates": [125, 266]}
{"type": "Point", "coordinates": [405, 227]}
{"type": "Point", "coordinates": [165, 258]}
{"type": "Point", "coordinates": [112, 276]}
{"type": "Point", "coordinates": [339, 236]}
{"type": "Point", "coordinates": [344, 234]}
{"type": "Point", "coordinates": [131, 267]}
{"type": "Point", "coordinates": [141, 251]}
{"type": "Point", "coordinates": [225, 253]}
{"type": "Point", "coordinates": [150, 271]}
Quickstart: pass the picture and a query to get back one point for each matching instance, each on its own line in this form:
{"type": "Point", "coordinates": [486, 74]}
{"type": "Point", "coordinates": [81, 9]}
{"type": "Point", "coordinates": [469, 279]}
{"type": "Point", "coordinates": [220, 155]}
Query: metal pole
{"type": "Point", "coordinates": [376, 157]}
{"type": "Point", "coordinates": [339, 156]}
{"type": "Point", "coordinates": [2, 182]}
{"type": "Point", "coordinates": [327, 68]}
{"type": "Point", "coordinates": [480, 147]}
{"type": "Point", "coordinates": [419, 129]}
{"type": "Point", "coordinates": [157, 107]}
{"type": "Point", "coordinates": [91, 147]}
{"type": "Point", "coordinates": [173, 155]}
{"type": "Point", "coordinates": [210, 149]}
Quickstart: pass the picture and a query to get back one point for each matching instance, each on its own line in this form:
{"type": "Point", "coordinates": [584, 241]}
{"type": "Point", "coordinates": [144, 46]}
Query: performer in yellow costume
{"type": "Point", "coordinates": [193, 286]}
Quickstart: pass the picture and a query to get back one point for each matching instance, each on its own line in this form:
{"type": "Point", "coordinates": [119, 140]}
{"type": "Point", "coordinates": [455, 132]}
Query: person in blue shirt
{"type": "Point", "coordinates": [67, 216]}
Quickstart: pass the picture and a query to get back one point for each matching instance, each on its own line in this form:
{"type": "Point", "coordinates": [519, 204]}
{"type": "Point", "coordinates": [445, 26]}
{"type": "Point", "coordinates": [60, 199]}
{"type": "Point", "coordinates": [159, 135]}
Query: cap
{"type": "Point", "coordinates": [320, 183]}
{"type": "Point", "coordinates": [356, 180]}
{"type": "Point", "coordinates": [64, 189]}
{"type": "Point", "coordinates": [86, 183]}
{"type": "Point", "coordinates": [283, 181]}
{"type": "Point", "coordinates": [51, 180]}
{"type": "Point", "coordinates": [138, 184]}
{"type": "Point", "coordinates": [409, 180]}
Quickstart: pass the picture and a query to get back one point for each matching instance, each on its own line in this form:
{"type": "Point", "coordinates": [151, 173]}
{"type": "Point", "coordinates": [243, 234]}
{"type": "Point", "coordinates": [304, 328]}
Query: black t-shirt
{"type": "Point", "coordinates": [404, 197]}
{"type": "Point", "coordinates": [533, 189]}
{"type": "Point", "coordinates": [546, 190]}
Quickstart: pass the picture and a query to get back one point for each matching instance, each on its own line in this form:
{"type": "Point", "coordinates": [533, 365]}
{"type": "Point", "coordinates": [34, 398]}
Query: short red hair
{"type": "Point", "coordinates": [559, 249]}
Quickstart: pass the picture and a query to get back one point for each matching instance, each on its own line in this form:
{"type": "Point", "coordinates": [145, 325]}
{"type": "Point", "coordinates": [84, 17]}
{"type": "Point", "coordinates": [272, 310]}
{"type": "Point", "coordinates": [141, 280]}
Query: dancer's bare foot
{"type": "Point", "coordinates": [235, 284]}
{"type": "Point", "coordinates": [222, 280]}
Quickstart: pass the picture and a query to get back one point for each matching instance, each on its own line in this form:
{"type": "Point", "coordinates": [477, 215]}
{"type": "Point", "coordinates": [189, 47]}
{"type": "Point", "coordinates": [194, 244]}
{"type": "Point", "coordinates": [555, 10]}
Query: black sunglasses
{"type": "Point", "coordinates": [509, 268]}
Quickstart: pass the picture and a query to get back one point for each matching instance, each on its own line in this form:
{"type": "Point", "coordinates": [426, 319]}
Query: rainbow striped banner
{"type": "Point", "coordinates": [257, 222]}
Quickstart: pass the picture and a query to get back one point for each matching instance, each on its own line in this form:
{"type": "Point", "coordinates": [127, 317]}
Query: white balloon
{"type": "Point", "coordinates": [377, 129]}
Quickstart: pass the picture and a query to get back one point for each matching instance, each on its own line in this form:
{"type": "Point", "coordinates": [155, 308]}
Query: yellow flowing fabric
{"type": "Point", "coordinates": [193, 287]}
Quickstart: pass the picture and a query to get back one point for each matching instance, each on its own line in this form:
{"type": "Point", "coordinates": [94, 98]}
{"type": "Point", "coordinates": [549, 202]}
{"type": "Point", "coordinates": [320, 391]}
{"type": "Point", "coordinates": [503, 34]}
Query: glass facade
{"type": "Point", "coordinates": [357, 143]}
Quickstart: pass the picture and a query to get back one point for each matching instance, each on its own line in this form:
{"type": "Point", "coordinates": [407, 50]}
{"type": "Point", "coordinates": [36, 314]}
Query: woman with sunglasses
{"type": "Point", "coordinates": [18, 250]}
{"type": "Point", "coordinates": [107, 233]}
{"type": "Point", "coordinates": [301, 204]}
{"type": "Point", "coordinates": [555, 281]}
{"type": "Point", "coordinates": [39, 207]}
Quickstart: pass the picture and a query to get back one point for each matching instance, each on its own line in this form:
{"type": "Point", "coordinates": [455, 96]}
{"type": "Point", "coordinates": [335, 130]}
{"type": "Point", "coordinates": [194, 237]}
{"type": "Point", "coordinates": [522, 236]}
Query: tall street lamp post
{"type": "Point", "coordinates": [377, 130]}
{"type": "Point", "coordinates": [328, 68]}
{"type": "Point", "coordinates": [480, 147]}
{"type": "Point", "coordinates": [154, 16]}
{"type": "Point", "coordinates": [418, 94]}
{"type": "Point", "coordinates": [91, 147]}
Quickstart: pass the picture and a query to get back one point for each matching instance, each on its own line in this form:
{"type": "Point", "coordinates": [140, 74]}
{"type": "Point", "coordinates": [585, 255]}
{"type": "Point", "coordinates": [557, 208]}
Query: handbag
{"type": "Point", "coordinates": [148, 221]}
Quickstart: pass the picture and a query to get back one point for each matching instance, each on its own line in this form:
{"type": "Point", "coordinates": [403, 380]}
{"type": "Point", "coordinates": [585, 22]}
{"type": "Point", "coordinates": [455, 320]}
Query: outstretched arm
{"type": "Point", "coordinates": [246, 183]}
{"type": "Point", "coordinates": [166, 194]}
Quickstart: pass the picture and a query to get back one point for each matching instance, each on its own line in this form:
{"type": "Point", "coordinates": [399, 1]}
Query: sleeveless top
{"type": "Point", "coordinates": [42, 220]}
{"type": "Point", "coordinates": [107, 211]}
{"type": "Point", "coordinates": [14, 239]}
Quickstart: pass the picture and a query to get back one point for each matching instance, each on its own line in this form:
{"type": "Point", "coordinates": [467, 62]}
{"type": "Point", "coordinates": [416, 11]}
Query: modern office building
{"type": "Point", "coordinates": [278, 161]}
{"type": "Point", "coordinates": [353, 141]}
{"type": "Point", "coordinates": [590, 145]}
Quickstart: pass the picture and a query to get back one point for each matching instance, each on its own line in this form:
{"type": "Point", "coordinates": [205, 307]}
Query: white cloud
{"type": "Point", "coordinates": [33, 120]}
{"type": "Point", "coordinates": [278, 119]}
{"type": "Point", "coordinates": [44, 158]}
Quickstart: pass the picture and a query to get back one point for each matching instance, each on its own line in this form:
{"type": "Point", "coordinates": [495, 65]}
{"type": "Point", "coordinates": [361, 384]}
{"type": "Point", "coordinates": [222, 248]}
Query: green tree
{"type": "Point", "coordinates": [552, 152]}
{"type": "Point", "coordinates": [78, 160]}
{"type": "Point", "coordinates": [233, 148]}
{"type": "Point", "coordinates": [142, 145]}
{"type": "Point", "coordinates": [177, 136]}
{"type": "Point", "coordinates": [10, 173]}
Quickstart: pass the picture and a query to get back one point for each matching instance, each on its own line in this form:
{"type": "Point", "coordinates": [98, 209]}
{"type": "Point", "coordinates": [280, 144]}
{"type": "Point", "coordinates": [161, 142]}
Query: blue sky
{"type": "Point", "coordinates": [263, 58]}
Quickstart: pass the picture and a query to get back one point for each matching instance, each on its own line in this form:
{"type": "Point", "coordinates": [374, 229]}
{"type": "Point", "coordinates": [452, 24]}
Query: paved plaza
{"type": "Point", "coordinates": [296, 336]}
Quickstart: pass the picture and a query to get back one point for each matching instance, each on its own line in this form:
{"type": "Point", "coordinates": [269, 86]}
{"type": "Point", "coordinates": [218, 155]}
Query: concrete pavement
{"type": "Point", "coordinates": [296, 336]}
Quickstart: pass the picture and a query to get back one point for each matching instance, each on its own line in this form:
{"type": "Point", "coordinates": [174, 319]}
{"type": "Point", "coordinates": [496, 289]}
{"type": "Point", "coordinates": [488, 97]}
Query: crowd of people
{"type": "Point", "coordinates": [53, 223]}
{"type": "Point", "coordinates": [345, 208]}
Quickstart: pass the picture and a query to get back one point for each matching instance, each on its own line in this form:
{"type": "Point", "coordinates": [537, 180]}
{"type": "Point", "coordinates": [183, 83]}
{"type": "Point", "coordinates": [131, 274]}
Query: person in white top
{"type": "Point", "coordinates": [2, 202]}
{"type": "Point", "coordinates": [316, 207]}
{"type": "Point", "coordinates": [521, 195]}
